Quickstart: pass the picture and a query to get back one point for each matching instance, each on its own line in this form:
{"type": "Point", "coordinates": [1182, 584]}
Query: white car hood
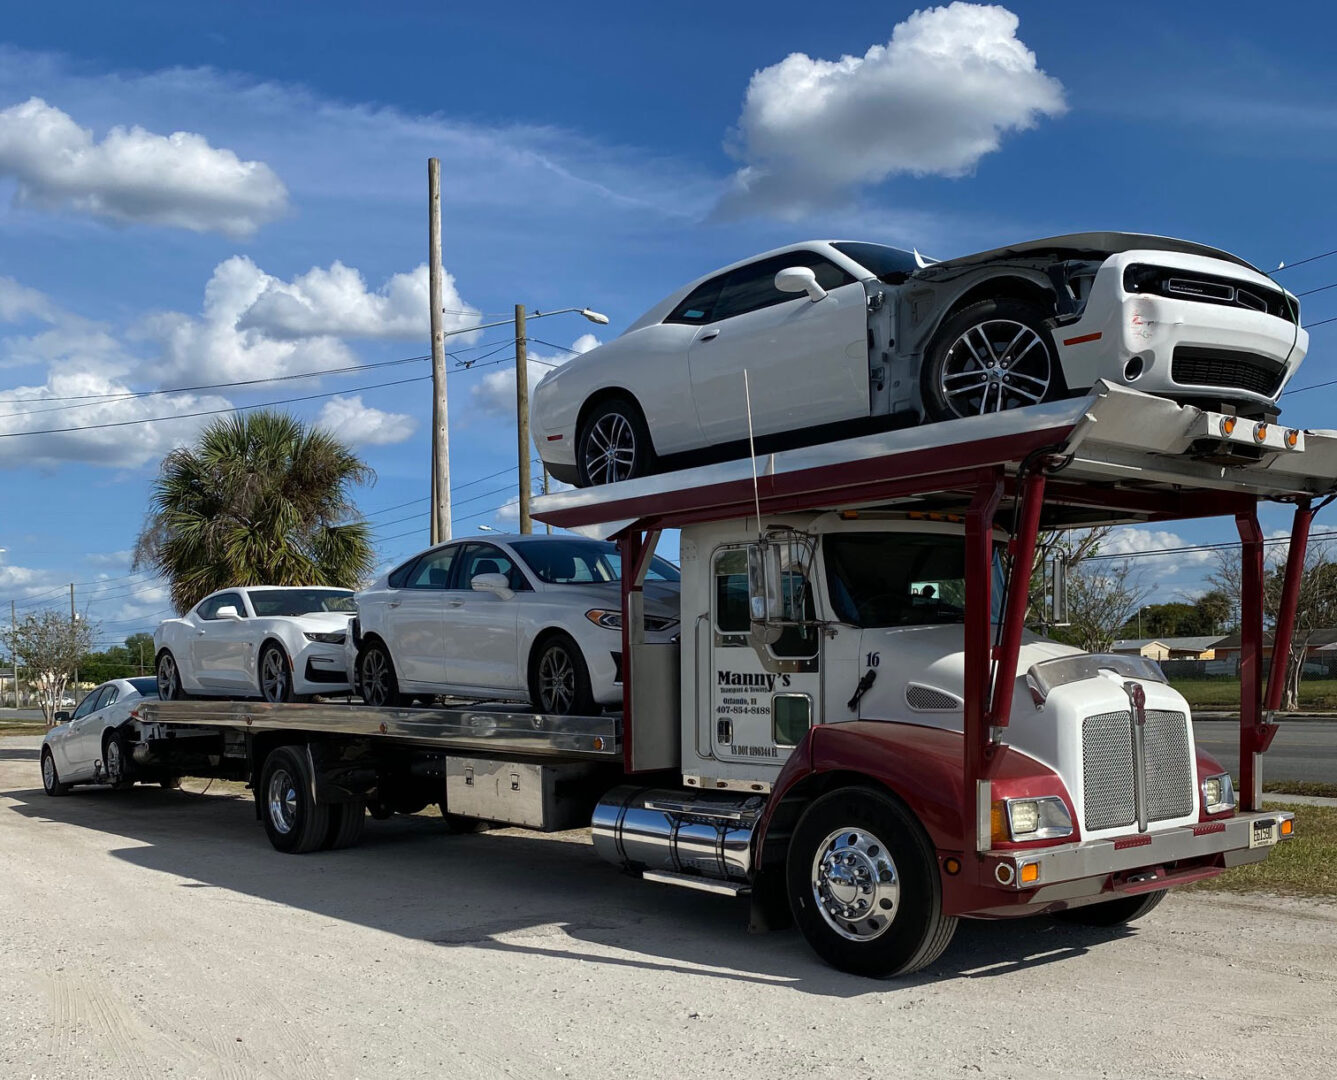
{"type": "Point", "coordinates": [322, 622]}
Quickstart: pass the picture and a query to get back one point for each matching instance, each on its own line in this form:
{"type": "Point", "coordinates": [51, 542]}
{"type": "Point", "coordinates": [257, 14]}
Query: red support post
{"type": "Point", "coordinates": [978, 633]}
{"type": "Point", "coordinates": [1251, 657]}
{"type": "Point", "coordinates": [629, 545]}
{"type": "Point", "coordinates": [1284, 632]}
{"type": "Point", "coordinates": [1018, 597]}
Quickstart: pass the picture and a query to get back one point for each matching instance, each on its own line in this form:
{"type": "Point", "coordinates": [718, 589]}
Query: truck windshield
{"type": "Point", "coordinates": [271, 602]}
{"type": "Point", "coordinates": [573, 562]}
{"type": "Point", "coordinates": [901, 579]}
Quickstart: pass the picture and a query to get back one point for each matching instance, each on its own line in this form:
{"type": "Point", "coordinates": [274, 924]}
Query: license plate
{"type": "Point", "coordinates": [1265, 833]}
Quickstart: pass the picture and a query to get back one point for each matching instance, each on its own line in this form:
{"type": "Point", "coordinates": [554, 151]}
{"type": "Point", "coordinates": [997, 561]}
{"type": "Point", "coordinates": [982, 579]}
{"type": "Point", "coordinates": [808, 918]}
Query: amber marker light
{"type": "Point", "coordinates": [1030, 873]}
{"type": "Point", "coordinates": [1287, 827]}
{"type": "Point", "coordinates": [953, 866]}
{"type": "Point", "coordinates": [1259, 431]}
{"type": "Point", "coordinates": [1228, 425]}
{"type": "Point", "coordinates": [1292, 438]}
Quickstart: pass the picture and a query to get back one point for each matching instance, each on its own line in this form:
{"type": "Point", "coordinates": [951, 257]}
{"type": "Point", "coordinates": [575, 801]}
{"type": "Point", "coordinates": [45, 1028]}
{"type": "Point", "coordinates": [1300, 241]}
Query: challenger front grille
{"type": "Point", "coordinates": [1108, 768]}
{"type": "Point", "coordinates": [1209, 289]}
{"type": "Point", "coordinates": [1228, 370]}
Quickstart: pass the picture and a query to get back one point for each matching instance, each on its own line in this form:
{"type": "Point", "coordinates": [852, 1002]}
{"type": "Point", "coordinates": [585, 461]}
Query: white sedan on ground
{"type": "Point", "coordinates": [836, 337]}
{"type": "Point", "coordinates": [85, 748]}
{"type": "Point", "coordinates": [272, 642]}
{"type": "Point", "coordinates": [515, 618]}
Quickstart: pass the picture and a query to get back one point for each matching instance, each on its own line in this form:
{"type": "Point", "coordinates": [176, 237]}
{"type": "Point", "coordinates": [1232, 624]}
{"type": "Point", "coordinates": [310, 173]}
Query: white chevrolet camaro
{"type": "Point", "coordinates": [514, 618]}
{"type": "Point", "coordinates": [84, 748]}
{"type": "Point", "coordinates": [839, 337]}
{"type": "Point", "coordinates": [272, 642]}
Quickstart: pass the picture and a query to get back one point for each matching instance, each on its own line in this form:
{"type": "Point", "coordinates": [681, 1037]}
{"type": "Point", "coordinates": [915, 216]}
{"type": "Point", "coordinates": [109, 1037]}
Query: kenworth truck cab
{"type": "Point", "coordinates": [855, 728]}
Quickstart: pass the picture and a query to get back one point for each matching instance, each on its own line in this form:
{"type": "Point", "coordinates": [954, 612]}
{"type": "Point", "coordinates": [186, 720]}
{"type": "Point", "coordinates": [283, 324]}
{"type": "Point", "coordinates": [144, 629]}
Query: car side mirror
{"type": "Point", "coordinates": [61, 718]}
{"type": "Point", "coordinates": [228, 612]}
{"type": "Point", "coordinates": [493, 583]}
{"type": "Point", "coordinates": [797, 279]}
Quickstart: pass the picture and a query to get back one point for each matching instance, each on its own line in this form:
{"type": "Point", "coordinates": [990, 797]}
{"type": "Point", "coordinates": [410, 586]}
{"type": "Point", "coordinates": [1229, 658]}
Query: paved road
{"type": "Point", "coordinates": [1302, 750]}
{"type": "Point", "coordinates": [151, 933]}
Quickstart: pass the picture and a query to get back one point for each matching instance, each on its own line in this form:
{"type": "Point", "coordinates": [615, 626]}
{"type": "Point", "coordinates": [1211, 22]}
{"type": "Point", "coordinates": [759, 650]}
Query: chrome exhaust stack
{"type": "Point", "coordinates": [683, 832]}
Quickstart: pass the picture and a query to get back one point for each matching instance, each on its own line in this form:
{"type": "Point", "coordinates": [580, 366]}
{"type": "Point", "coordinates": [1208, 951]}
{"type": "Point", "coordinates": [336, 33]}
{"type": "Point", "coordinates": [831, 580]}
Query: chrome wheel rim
{"type": "Point", "coordinates": [557, 681]}
{"type": "Point", "coordinates": [273, 676]}
{"type": "Point", "coordinates": [610, 449]}
{"type": "Point", "coordinates": [113, 761]}
{"type": "Point", "coordinates": [167, 678]}
{"type": "Point", "coordinates": [996, 365]}
{"type": "Point", "coordinates": [855, 884]}
{"type": "Point", "coordinates": [48, 772]}
{"type": "Point", "coordinates": [375, 690]}
{"type": "Point", "coordinates": [282, 798]}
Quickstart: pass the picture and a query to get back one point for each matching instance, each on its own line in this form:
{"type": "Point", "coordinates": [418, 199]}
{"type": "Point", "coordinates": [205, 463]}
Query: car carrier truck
{"type": "Point", "coordinates": [854, 728]}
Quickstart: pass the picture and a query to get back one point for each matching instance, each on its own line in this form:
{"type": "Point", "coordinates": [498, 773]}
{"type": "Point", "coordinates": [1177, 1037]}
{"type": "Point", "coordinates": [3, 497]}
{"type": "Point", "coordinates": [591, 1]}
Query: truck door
{"type": "Point", "coordinates": [762, 697]}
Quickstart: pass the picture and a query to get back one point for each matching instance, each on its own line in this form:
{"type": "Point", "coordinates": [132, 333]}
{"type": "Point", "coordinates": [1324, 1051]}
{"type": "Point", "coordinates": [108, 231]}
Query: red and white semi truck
{"type": "Point", "coordinates": [854, 728]}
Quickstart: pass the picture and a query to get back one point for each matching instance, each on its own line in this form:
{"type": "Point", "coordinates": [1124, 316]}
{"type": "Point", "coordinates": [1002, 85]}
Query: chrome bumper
{"type": "Point", "coordinates": [1072, 870]}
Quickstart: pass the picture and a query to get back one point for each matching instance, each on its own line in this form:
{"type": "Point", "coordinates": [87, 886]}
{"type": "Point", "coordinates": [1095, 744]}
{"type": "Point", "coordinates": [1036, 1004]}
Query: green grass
{"type": "Point", "coordinates": [1319, 695]}
{"type": "Point", "coordinates": [22, 727]}
{"type": "Point", "coordinates": [1300, 787]}
{"type": "Point", "coordinates": [1303, 866]}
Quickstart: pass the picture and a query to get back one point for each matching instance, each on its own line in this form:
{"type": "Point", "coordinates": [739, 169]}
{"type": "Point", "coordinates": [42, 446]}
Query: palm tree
{"type": "Point", "coordinates": [260, 500]}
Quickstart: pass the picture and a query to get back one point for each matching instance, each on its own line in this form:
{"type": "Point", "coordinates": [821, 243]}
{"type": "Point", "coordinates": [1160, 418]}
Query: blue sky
{"type": "Point", "coordinates": [595, 155]}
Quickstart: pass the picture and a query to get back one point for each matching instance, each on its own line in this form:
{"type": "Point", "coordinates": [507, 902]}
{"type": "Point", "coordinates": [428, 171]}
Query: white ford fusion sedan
{"type": "Point", "coordinates": [839, 337]}
{"type": "Point", "coordinates": [515, 618]}
{"type": "Point", "coordinates": [272, 642]}
{"type": "Point", "coordinates": [85, 748]}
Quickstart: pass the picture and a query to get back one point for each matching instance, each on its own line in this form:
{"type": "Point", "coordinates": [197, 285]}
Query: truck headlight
{"type": "Point", "coordinates": [1218, 794]}
{"type": "Point", "coordinates": [612, 620]}
{"type": "Point", "coordinates": [1042, 818]}
{"type": "Point", "coordinates": [335, 637]}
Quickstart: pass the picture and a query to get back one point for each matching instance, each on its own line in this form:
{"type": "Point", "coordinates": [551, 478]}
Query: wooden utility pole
{"type": "Point", "coordinates": [73, 620]}
{"type": "Point", "coordinates": [13, 628]}
{"type": "Point", "coordinates": [545, 491]}
{"type": "Point", "coordinates": [522, 414]}
{"type": "Point", "coordinates": [440, 526]}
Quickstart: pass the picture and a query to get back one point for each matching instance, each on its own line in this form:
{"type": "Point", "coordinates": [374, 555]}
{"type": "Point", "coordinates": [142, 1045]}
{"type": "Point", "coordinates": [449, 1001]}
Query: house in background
{"type": "Point", "coordinates": [1172, 648]}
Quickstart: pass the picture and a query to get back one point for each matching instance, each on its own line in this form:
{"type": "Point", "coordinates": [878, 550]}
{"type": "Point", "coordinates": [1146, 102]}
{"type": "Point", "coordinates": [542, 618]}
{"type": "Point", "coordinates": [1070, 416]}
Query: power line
{"type": "Point", "coordinates": [1301, 262]}
{"type": "Point", "coordinates": [1188, 548]}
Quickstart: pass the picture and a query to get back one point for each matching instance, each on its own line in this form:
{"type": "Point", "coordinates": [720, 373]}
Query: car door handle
{"type": "Point", "coordinates": [394, 603]}
{"type": "Point", "coordinates": [709, 335]}
{"type": "Point", "coordinates": [457, 603]}
{"type": "Point", "coordinates": [200, 633]}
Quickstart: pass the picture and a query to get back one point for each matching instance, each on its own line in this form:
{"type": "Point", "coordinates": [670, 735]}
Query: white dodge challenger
{"type": "Point", "coordinates": [270, 642]}
{"type": "Point", "coordinates": [837, 337]}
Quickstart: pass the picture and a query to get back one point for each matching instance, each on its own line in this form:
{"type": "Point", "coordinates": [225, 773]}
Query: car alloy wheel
{"type": "Point", "coordinates": [169, 679]}
{"type": "Point", "coordinates": [376, 676]}
{"type": "Point", "coordinates": [557, 681]}
{"type": "Point", "coordinates": [995, 365]}
{"type": "Point", "coordinates": [610, 449]}
{"type": "Point", "coordinates": [275, 680]}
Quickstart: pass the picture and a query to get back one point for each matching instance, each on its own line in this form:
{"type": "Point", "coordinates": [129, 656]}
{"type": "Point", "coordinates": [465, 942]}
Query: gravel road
{"type": "Point", "coordinates": [151, 933]}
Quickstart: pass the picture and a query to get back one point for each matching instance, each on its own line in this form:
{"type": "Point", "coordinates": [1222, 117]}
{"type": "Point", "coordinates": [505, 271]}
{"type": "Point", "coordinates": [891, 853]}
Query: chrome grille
{"type": "Point", "coordinates": [1169, 767]}
{"type": "Point", "coordinates": [1108, 768]}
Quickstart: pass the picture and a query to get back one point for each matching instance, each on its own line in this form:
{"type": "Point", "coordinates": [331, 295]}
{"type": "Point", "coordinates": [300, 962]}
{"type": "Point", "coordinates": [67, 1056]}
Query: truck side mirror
{"type": "Point", "coordinates": [1056, 592]}
{"type": "Point", "coordinates": [765, 596]}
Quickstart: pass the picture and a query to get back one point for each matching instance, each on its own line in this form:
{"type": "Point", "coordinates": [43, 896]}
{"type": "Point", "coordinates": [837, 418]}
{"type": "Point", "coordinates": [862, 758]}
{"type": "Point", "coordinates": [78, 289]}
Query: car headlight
{"type": "Point", "coordinates": [1042, 818]}
{"type": "Point", "coordinates": [334, 637]}
{"type": "Point", "coordinates": [612, 620]}
{"type": "Point", "coordinates": [1218, 793]}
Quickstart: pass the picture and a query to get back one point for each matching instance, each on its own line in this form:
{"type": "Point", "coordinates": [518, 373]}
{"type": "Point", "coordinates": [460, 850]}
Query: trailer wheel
{"type": "Point", "coordinates": [116, 760]}
{"type": "Point", "coordinates": [864, 886]}
{"type": "Point", "coordinates": [169, 678]}
{"type": "Point", "coordinates": [50, 778]}
{"type": "Point", "coordinates": [376, 673]}
{"type": "Point", "coordinates": [275, 674]}
{"type": "Point", "coordinates": [989, 357]}
{"type": "Point", "coordinates": [559, 681]}
{"type": "Point", "coordinates": [1113, 912]}
{"type": "Point", "coordinates": [294, 821]}
{"type": "Point", "coordinates": [346, 823]}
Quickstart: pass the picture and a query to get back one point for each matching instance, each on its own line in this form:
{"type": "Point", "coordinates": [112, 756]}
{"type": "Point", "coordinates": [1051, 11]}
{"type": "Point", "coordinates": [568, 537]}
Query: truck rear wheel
{"type": "Point", "coordinates": [294, 821]}
{"type": "Point", "coordinates": [863, 885]}
{"type": "Point", "coordinates": [346, 823]}
{"type": "Point", "coordinates": [1113, 912]}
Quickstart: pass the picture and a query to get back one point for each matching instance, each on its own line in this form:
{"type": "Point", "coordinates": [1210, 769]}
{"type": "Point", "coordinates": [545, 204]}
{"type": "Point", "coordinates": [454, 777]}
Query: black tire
{"type": "Point", "coordinates": [169, 783]}
{"type": "Point", "coordinates": [169, 677]}
{"type": "Point", "coordinates": [346, 824]}
{"type": "Point", "coordinates": [1113, 912]}
{"type": "Point", "coordinates": [376, 675]}
{"type": "Point", "coordinates": [116, 763]}
{"type": "Point", "coordinates": [273, 671]}
{"type": "Point", "coordinates": [294, 821]}
{"type": "Point", "coordinates": [858, 850]}
{"type": "Point", "coordinates": [1020, 366]}
{"type": "Point", "coordinates": [559, 680]}
{"type": "Point", "coordinates": [458, 824]}
{"type": "Point", "coordinates": [613, 444]}
{"type": "Point", "coordinates": [50, 777]}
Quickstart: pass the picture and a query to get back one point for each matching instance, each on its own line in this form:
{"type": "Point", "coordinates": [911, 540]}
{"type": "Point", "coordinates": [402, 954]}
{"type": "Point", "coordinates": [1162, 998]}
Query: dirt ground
{"type": "Point", "coordinates": [149, 933]}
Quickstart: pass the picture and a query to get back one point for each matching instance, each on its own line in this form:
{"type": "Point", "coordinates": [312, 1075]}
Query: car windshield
{"type": "Point", "coordinates": [901, 579]}
{"type": "Point", "coordinates": [145, 687]}
{"type": "Point", "coordinates": [574, 562]}
{"type": "Point", "coordinates": [889, 264]}
{"type": "Point", "coordinates": [270, 602]}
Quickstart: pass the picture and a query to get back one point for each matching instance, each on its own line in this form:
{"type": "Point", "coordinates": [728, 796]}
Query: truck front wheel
{"type": "Point", "coordinates": [1113, 912]}
{"type": "Point", "coordinates": [294, 821]}
{"type": "Point", "coordinates": [864, 887]}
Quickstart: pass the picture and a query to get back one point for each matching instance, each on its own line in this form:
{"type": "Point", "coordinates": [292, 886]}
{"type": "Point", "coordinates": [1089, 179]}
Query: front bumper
{"type": "Point", "coordinates": [1125, 865]}
{"type": "Point", "coordinates": [322, 670]}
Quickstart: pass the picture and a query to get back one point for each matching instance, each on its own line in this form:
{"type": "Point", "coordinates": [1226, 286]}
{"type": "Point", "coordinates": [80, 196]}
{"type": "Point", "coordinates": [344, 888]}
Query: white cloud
{"type": "Point", "coordinates": [1134, 540]}
{"type": "Point", "coordinates": [19, 302]}
{"type": "Point", "coordinates": [133, 175]}
{"type": "Point", "coordinates": [494, 395]}
{"type": "Point", "coordinates": [114, 560]}
{"type": "Point", "coordinates": [934, 100]}
{"type": "Point", "coordinates": [362, 425]}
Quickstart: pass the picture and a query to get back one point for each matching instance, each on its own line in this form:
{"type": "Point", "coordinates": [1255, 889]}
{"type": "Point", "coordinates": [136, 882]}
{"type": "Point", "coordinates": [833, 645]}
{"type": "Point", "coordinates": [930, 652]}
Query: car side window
{"type": "Point", "coordinates": [89, 703]}
{"type": "Point", "coordinates": [109, 697]}
{"type": "Point", "coordinates": [751, 288]}
{"type": "Point", "coordinates": [486, 559]}
{"type": "Point", "coordinates": [208, 609]}
{"type": "Point", "coordinates": [699, 306]}
{"type": "Point", "coordinates": [233, 600]}
{"type": "Point", "coordinates": [432, 571]}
